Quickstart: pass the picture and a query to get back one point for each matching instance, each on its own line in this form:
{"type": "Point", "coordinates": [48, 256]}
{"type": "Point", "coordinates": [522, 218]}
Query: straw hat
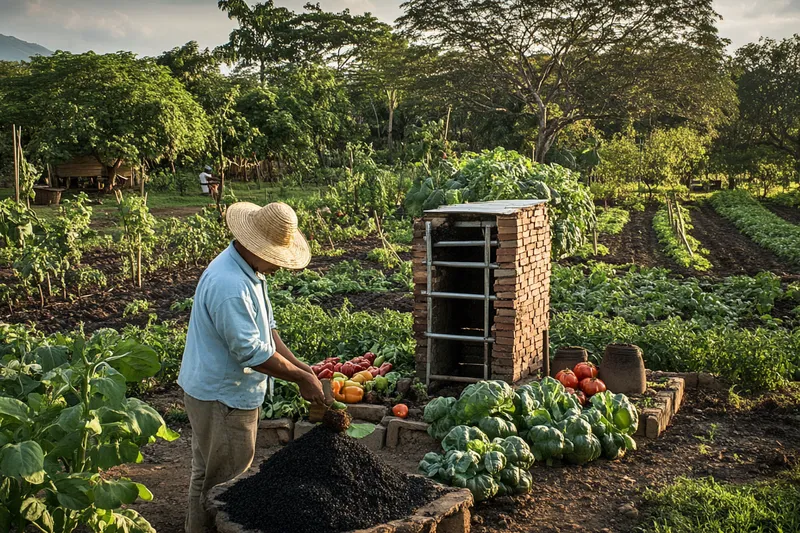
{"type": "Point", "coordinates": [270, 232]}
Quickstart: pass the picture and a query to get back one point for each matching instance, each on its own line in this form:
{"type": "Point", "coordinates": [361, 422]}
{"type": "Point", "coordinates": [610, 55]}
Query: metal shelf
{"type": "Point", "coordinates": [464, 338]}
{"type": "Point", "coordinates": [458, 296]}
{"type": "Point", "coordinates": [450, 244]}
{"type": "Point", "coordinates": [464, 264]}
{"type": "Point", "coordinates": [487, 266]}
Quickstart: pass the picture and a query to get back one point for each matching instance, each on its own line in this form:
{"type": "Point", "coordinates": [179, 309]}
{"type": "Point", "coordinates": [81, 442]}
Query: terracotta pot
{"type": "Point", "coordinates": [567, 357]}
{"type": "Point", "coordinates": [622, 369]}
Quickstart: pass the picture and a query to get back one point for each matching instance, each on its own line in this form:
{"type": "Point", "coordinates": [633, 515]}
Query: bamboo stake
{"type": "Point", "coordinates": [594, 239]}
{"type": "Point", "coordinates": [16, 162]}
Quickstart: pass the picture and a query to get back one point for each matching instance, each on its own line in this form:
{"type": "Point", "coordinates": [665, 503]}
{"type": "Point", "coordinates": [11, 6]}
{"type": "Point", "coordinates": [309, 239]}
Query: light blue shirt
{"type": "Point", "coordinates": [230, 331]}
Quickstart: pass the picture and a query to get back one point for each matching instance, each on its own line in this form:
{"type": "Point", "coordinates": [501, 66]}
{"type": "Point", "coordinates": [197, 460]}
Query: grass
{"type": "Point", "coordinates": [706, 506]}
{"type": "Point", "coordinates": [103, 214]}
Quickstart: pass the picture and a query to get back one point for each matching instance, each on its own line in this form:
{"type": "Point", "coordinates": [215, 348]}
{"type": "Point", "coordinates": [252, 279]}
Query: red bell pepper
{"type": "Point", "coordinates": [348, 369]}
{"type": "Point", "coordinates": [374, 371]}
{"type": "Point", "coordinates": [316, 369]}
{"type": "Point", "coordinates": [325, 374]}
{"type": "Point", "coordinates": [370, 357]}
{"type": "Point", "coordinates": [385, 368]}
{"type": "Point", "coordinates": [337, 367]}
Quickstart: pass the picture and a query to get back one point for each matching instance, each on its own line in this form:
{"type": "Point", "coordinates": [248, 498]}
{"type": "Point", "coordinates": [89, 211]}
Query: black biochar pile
{"type": "Point", "coordinates": [325, 482]}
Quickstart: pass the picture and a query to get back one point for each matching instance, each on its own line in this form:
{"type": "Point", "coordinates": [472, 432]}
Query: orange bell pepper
{"type": "Point", "coordinates": [353, 394]}
{"type": "Point", "coordinates": [336, 388]}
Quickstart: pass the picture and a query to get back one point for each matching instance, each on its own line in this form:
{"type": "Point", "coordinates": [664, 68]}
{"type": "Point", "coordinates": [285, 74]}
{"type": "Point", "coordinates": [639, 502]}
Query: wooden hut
{"type": "Point", "coordinates": [87, 169]}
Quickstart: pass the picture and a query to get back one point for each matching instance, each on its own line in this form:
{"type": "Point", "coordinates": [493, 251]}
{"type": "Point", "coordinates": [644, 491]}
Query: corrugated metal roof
{"type": "Point", "coordinates": [495, 207]}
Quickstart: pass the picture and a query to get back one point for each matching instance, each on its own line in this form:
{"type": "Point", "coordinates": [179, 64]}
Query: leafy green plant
{"type": "Point", "coordinates": [285, 402]}
{"type": "Point", "coordinates": [504, 175]}
{"type": "Point", "coordinates": [757, 222]}
{"type": "Point", "coordinates": [708, 506]}
{"type": "Point", "coordinates": [612, 220]}
{"type": "Point", "coordinates": [674, 247]}
{"type": "Point", "coordinates": [182, 305]}
{"type": "Point", "coordinates": [135, 236]}
{"type": "Point", "coordinates": [136, 307]}
{"type": "Point", "coordinates": [65, 418]}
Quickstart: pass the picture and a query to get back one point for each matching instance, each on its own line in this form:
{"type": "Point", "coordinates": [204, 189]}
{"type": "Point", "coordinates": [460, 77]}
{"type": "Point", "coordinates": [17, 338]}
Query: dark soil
{"type": "Point", "coordinates": [731, 252]}
{"type": "Point", "coordinates": [370, 301]}
{"type": "Point", "coordinates": [637, 244]}
{"type": "Point", "coordinates": [325, 482]}
{"type": "Point", "coordinates": [788, 213]}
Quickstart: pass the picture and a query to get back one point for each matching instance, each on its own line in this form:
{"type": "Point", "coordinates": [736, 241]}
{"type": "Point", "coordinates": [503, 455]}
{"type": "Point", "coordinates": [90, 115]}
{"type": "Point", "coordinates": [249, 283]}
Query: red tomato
{"type": "Point", "coordinates": [581, 397]}
{"type": "Point", "coordinates": [585, 370]}
{"type": "Point", "coordinates": [400, 410]}
{"type": "Point", "coordinates": [592, 386]}
{"type": "Point", "coordinates": [567, 378]}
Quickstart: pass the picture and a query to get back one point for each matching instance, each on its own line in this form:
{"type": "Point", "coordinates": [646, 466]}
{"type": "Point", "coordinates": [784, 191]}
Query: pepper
{"type": "Point", "coordinates": [336, 388]}
{"type": "Point", "coordinates": [381, 384]}
{"type": "Point", "coordinates": [362, 377]}
{"type": "Point", "coordinates": [348, 369]}
{"type": "Point", "coordinates": [370, 357]}
{"type": "Point", "coordinates": [337, 367]}
{"type": "Point", "coordinates": [338, 406]}
{"type": "Point", "coordinates": [353, 394]}
{"type": "Point", "coordinates": [385, 368]}
{"type": "Point", "coordinates": [351, 383]}
{"type": "Point", "coordinates": [379, 361]}
{"type": "Point", "coordinates": [339, 375]}
{"type": "Point", "coordinates": [374, 372]}
{"type": "Point", "coordinates": [325, 374]}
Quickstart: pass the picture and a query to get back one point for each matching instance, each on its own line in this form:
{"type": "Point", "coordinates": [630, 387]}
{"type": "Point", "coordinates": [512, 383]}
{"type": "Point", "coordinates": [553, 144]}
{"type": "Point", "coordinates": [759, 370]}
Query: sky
{"type": "Point", "coordinates": [148, 27]}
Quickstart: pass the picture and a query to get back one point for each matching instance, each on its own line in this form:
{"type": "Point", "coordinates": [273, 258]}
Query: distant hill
{"type": "Point", "coordinates": [13, 49]}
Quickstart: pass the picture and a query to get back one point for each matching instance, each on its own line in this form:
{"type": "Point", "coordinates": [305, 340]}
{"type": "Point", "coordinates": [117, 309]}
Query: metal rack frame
{"type": "Point", "coordinates": [487, 266]}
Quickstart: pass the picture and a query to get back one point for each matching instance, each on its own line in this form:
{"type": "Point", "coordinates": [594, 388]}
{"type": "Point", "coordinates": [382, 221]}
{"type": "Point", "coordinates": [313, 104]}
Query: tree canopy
{"type": "Point", "coordinates": [114, 106]}
{"type": "Point", "coordinates": [567, 61]}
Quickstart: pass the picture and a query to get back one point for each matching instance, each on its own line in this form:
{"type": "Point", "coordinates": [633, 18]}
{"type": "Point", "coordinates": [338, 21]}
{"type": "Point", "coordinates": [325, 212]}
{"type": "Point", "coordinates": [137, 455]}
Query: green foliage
{"type": "Point", "coordinates": [644, 295]}
{"type": "Point", "coordinates": [134, 111]}
{"type": "Point", "coordinates": [387, 256]}
{"type": "Point", "coordinates": [314, 333]}
{"type": "Point", "coordinates": [135, 235]}
{"type": "Point", "coordinates": [769, 109]}
{"type": "Point", "coordinates": [757, 222]}
{"type": "Point", "coordinates": [194, 240]}
{"type": "Point", "coordinates": [136, 307]}
{"type": "Point", "coordinates": [707, 506]}
{"type": "Point", "coordinates": [757, 358]}
{"type": "Point", "coordinates": [504, 175]}
{"type": "Point", "coordinates": [612, 220]}
{"type": "Point", "coordinates": [673, 245]}
{"type": "Point", "coordinates": [285, 402]}
{"type": "Point", "coordinates": [64, 419]}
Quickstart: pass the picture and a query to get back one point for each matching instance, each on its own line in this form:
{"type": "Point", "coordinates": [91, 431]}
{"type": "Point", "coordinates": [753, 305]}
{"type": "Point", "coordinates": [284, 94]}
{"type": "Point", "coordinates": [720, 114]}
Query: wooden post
{"type": "Point", "coordinates": [594, 239]}
{"type": "Point", "coordinates": [16, 162]}
{"type": "Point", "coordinates": [447, 125]}
{"type": "Point", "coordinates": [221, 187]}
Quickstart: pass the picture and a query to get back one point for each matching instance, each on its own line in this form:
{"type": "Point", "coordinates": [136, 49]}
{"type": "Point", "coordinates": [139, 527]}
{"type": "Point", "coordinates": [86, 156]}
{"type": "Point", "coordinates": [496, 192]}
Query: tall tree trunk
{"type": "Point", "coordinates": [392, 97]}
{"type": "Point", "coordinates": [111, 170]}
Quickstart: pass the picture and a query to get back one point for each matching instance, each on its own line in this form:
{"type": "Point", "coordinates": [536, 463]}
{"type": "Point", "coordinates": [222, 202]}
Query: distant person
{"type": "Point", "coordinates": [208, 183]}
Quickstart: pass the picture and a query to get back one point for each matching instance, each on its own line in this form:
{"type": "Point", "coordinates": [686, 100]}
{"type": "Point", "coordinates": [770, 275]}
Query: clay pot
{"type": "Point", "coordinates": [622, 369]}
{"type": "Point", "coordinates": [567, 357]}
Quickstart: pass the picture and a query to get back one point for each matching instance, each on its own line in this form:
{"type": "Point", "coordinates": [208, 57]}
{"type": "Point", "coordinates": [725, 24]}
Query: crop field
{"type": "Point", "coordinates": [672, 200]}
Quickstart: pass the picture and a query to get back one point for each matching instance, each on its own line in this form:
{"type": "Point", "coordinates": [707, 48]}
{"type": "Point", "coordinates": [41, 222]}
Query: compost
{"type": "Point", "coordinates": [325, 482]}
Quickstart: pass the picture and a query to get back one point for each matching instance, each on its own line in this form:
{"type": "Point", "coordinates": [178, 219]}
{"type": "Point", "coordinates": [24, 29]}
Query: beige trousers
{"type": "Point", "coordinates": [223, 446]}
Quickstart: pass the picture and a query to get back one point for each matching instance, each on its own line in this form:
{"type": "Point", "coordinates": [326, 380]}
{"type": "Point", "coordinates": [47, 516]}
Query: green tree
{"type": "Point", "coordinates": [114, 106]}
{"type": "Point", "coordinates": [769, 93]}
{"type": "Point", "coordinates": [567, 61]}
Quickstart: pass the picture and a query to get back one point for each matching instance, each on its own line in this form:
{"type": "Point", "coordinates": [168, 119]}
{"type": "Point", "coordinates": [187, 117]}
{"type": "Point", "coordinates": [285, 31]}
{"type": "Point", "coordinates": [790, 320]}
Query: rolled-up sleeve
{"type": "Point", "coordinates": [235, 321]}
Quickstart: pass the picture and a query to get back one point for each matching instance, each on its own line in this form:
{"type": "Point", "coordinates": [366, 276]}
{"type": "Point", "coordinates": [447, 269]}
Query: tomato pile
{"type": "Point", "coordinates": [581, 381]}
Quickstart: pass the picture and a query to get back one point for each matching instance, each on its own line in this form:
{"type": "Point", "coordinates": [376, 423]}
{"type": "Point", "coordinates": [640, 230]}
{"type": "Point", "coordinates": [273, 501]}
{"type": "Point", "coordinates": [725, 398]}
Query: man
{"type": "Point", "coordinates": [233, 345]}
{"type": "Point", "coordinates": [208, 183]}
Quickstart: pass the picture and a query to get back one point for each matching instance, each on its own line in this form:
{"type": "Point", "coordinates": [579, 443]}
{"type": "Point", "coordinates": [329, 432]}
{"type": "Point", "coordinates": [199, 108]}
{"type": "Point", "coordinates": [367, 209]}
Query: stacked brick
{"type": "Point", "coordinates": [521, 284]}
{"type": "Point", "coordinates": [522, 287]}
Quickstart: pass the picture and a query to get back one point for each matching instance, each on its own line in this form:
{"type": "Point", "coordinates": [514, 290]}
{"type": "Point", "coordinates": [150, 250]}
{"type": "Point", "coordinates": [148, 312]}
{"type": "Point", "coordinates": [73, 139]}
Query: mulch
{"type": "Point", "coordinates": [325, 482]}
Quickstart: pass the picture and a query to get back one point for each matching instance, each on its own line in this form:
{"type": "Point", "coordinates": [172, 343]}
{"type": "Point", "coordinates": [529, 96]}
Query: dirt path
{"type": "Point", "coordinates": [789, 214]}
{"type": "Point", "coordinates": [708, 437]}
{"type": "Point", "coordinates": [733, 253]}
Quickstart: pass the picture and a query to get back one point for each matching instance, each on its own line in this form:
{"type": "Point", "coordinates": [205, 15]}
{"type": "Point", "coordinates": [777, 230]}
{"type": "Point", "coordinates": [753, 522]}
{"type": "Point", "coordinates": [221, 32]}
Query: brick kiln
{"type": "Point", "coordinates": [482, 291]}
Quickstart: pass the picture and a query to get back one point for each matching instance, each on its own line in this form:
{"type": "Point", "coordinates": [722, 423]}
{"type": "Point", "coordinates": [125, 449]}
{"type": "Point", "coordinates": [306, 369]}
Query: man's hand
{"type": "Point", "coordinates": [311, 389]}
